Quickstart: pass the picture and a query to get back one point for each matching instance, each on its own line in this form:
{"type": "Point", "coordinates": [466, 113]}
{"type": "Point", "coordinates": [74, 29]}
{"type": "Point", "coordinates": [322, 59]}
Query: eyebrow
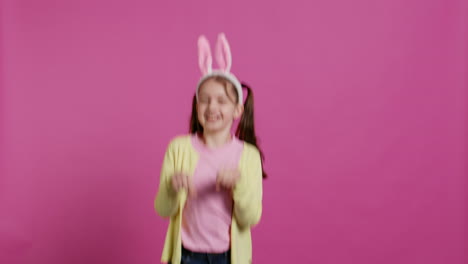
{"type": "Point", "coordinates": [224, 95]}
{"type": "Point", "coordinates": [217, 95]}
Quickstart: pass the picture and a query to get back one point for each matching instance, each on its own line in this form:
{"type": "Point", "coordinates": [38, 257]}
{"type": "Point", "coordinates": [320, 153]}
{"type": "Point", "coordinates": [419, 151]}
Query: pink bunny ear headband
{"type": "Point", "coordinates": [224, 60]}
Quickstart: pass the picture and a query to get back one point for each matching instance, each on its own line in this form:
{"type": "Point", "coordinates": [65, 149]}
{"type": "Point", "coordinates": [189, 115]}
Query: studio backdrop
{"type": "Point", "coordinates": [360, 108]}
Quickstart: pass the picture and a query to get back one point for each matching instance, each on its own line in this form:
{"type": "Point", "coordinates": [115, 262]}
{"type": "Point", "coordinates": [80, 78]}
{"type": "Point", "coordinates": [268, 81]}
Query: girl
{"type": "Point", "coordinates": [211, 180]}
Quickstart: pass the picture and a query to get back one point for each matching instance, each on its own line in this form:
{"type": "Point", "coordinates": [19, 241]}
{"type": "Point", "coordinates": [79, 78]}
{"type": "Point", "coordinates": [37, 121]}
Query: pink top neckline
{"type": "Point", "coordinates": [199, 145]}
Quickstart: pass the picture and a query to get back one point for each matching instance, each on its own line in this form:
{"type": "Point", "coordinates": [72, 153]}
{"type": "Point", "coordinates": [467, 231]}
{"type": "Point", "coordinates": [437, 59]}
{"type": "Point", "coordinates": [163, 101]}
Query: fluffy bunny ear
{"type": "Point", "coordinates": [223, 53]}
{"type": "Point", "coordinates": [205, 60]}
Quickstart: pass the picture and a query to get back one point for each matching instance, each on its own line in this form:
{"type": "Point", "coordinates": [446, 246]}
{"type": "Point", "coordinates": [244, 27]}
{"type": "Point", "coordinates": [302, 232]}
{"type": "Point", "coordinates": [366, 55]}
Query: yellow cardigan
{"type": "Point", "coordinates": [181, 157]}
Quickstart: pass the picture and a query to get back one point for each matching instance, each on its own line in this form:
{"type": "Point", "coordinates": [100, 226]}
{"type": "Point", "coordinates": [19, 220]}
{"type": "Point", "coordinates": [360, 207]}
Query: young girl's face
{"type": "Point", "coordinates": [217, 107]}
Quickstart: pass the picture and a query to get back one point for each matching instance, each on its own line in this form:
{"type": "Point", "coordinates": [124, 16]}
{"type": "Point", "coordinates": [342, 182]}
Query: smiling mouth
{"type": "Point", "coordinates": [212, 118]}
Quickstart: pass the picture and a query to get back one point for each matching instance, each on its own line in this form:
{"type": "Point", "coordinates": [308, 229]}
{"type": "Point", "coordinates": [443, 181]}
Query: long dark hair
{"type": "Point", "coordinates": [245, 130]}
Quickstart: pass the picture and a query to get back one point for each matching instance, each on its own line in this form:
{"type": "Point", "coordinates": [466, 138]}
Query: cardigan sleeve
{"type": "Point", "coordinates": [247, 193]}
{"type": "Point", "coordinates": [167, 200]}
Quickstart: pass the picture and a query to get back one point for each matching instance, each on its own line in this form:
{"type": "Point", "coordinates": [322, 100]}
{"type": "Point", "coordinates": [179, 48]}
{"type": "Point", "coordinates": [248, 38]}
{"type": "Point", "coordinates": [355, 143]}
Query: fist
{"type": "Point", "coordinates": [227, 179]}
{"type": "Point", "coordinates": [183, 181]}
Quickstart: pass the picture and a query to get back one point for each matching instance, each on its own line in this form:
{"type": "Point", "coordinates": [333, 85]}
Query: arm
{"type": "Point", "coordinates": [247, 194]}
{"type": "Point", "coordinates": [167, 202]}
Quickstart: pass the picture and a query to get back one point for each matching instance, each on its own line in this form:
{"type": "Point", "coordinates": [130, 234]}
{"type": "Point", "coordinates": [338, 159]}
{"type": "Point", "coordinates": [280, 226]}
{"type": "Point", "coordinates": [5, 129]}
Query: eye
{"type": "Point", "coordinates": [203, 100]}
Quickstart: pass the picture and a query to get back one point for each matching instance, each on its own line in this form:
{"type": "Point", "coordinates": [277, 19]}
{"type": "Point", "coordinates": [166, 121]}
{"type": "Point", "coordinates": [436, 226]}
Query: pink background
{"type": "Point", "coordinates": [361, 108]}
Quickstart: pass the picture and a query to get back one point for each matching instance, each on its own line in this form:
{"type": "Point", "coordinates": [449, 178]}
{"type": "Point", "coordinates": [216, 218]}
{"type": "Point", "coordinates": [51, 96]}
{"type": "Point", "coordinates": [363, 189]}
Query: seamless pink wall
{"type": "Point", "coordinates": [361, 109]}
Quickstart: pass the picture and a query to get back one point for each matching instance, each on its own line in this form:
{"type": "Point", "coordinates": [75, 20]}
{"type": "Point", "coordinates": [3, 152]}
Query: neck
{"type": "Point", "coordinates": [217, 139]}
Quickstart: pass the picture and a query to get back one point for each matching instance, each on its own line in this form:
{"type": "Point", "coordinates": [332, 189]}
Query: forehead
{"type": "Point", "coordinates": [212, 87]}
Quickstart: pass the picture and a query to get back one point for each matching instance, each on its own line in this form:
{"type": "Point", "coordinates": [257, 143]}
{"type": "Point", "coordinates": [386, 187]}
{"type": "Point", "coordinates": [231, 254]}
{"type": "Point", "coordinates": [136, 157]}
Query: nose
{"type": "Point", "coordinates": [212, 105]}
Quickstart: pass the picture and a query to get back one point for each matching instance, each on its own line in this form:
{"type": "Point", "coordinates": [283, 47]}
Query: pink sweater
{"type": "Point", "coordinates": [206, 218]}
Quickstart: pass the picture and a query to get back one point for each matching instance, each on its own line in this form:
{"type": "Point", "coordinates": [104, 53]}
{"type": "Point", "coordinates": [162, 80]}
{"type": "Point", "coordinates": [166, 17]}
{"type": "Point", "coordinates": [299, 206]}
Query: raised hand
{"type": "Point", "coordinates": [183, 181]}
{"type": "Point", "coordinates": [227, 178]}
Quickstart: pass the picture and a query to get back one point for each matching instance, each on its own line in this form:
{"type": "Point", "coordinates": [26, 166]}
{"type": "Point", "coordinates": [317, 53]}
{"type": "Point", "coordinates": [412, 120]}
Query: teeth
{"type": "Point", "coordinates": [212, 118]}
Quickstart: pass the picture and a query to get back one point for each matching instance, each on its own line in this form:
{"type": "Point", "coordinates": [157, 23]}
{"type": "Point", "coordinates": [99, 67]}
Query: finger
{"type": "Point", "coordinates": [219, 180]}
{"type": "Point", "coordinates": [231, 181]}
{"type": "Point", "coordinates": [226, 183]}
{"type": "Point", "coordinates": [175, 182]}
{"type": "Point", "coordinates": [191, 188]}
{"type": "Point", "coordinates": [233, 178]}
{"type": "Point", "coordinates": [184, 179]}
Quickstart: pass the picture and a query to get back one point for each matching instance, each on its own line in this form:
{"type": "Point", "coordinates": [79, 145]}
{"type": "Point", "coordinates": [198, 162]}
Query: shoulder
{"type": "Point", "coordinates": [250, 152]}
{"type": "Point", "coordinates": [180, 141]}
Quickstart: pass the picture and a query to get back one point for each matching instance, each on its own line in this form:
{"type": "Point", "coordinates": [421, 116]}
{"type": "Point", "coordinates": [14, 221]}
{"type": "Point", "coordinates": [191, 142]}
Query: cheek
{"type": "Point", "coordinates": [231, 111]}
{"type": "Point", "coordinates": [200, 110]}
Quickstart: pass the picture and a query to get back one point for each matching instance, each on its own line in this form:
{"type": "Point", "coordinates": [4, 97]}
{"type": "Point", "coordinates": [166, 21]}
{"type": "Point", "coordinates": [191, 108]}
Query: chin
{"type": "Point", "coordinates": [213, 128]}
